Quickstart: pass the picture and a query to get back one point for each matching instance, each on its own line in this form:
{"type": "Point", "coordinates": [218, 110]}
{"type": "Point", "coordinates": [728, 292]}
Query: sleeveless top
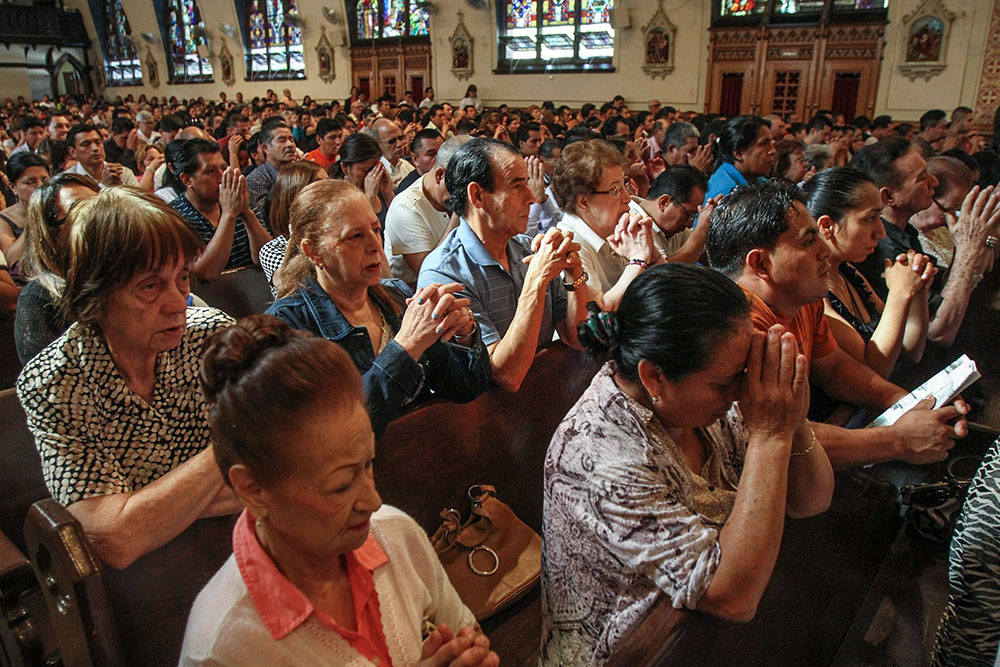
{"type": "Point", "coordinates": [854, 279]}
{"type": "Point", "coordinates": [14, 228]}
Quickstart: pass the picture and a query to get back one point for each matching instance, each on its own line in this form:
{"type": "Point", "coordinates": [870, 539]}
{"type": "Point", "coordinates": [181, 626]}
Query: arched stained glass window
{"type": "Point", "coordinates": [121, 63]}
{"type": "Point", "coordinates": [187, 50]}
{"type": "Point", "coordinates": [555, 35]}
{"type": "Point", "coordinates": [274, 33]}
{"type": "Point", "coordinates": [388, 19]}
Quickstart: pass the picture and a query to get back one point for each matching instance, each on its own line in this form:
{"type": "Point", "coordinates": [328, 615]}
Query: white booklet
{"type": "Point", "coordinates": [944, 387]}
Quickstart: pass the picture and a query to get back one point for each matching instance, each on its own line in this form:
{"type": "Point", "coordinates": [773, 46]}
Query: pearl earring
{"type": "Point", "coordinates": [654, 399]}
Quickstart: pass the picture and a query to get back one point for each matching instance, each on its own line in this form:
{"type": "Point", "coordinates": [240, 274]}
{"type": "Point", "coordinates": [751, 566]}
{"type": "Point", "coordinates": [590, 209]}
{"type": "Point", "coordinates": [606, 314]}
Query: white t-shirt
{"type": "Point", "coordinates": [412, 225]}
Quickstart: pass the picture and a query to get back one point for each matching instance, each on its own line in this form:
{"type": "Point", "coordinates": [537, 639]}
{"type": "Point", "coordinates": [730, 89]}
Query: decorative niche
{"type": "Point", "coordinates": [659, 38]}
{"type": "Point", "coordinates": [925, 47]}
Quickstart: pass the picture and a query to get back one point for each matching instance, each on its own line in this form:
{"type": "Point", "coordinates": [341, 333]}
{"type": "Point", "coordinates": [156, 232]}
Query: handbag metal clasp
{"type": "Point", "coordinates": [475, 491]}
{"type": "Point", "coordinates": [484, 573]}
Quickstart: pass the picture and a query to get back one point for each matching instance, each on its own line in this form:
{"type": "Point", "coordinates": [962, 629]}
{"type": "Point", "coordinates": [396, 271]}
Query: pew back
{"type": "Point", "coordinates": [239, 292]}
{"type": "Point", "coordinates": [21, 478]}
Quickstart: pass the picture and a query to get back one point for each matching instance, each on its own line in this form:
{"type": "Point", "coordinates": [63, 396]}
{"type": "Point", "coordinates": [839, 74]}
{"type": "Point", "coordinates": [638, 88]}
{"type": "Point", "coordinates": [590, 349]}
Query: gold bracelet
{"type": "Point", "coordinates": [812, 443]}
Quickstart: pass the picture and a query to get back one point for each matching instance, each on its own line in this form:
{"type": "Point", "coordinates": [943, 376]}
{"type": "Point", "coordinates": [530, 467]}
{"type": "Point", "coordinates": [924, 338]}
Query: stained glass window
{"type": "Point", "coordinates": [389, 19]}
{"type": "Point", "coordinates": [187, 51]}
{"type": "Point", "coordinates": [121, 63]}
{"type": "Point", "coordinates": [555, 35]}
{"type": "Point", "coordinates": [275, 38]}
{"type": "Point", "coordinates": [742, 7]}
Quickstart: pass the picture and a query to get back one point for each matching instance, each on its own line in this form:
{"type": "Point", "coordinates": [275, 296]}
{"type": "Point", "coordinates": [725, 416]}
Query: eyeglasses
{"type": "Point", "coordinates": [688, 214]}
{"type": "Point", "coordinates": [616, 191]}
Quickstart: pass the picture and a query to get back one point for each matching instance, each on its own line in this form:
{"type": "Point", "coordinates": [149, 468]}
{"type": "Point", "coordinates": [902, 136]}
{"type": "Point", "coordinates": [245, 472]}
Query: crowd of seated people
{"type": "Point", "coordinates": [737, 277]}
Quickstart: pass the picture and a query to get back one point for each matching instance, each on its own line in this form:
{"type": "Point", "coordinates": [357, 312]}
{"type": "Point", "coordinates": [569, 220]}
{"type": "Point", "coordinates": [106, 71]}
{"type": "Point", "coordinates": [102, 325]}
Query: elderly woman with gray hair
{"type": "Point", "coordinates": [114, 403]}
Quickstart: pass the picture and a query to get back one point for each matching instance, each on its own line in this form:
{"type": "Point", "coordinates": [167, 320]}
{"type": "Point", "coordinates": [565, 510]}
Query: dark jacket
{"type": "Point", "coordinates": [392, 379]}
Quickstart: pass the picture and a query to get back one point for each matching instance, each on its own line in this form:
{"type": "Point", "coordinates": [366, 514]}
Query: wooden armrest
{"type": "Point", "coordinates": [20, 638]}
{"type": "Point", "coordinates": [73, 586]}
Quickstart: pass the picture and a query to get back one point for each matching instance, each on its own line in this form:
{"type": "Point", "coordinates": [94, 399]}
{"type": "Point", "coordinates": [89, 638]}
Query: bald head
{"type": "Point", "coordinates": [193, 132]}
{"type": "Point", "coordinates": [390, 139]}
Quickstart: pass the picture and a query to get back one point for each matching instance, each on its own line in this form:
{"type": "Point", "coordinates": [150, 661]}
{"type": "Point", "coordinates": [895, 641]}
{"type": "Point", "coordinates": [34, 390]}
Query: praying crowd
{"type": "Point", "coordinates": [737, 278]}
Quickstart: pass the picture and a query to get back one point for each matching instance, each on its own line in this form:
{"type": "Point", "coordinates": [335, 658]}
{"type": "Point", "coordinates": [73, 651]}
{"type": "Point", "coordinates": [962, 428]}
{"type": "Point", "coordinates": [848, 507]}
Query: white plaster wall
{"type": "Point", "coordinates": [957, 84]}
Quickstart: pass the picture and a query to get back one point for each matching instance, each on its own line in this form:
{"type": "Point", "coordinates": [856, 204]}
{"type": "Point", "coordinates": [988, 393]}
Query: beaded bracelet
{"type": "Point", "coordinates": [808, 449]}
{"type": "Point", "coordinates": [638, 262]}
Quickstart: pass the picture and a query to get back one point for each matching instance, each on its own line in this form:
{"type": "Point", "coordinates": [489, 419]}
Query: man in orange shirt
{"type": "Point", "coordinates": [763, 237]}
{"type": "Point", "coordinates": [330, 134]}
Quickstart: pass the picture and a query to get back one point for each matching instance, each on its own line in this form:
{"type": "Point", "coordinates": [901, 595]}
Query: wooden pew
{"type": "Point", "coordinates": [21, 642]}
{"type": "Point", "coordinates": [21, 478]}
{"type": "Point", "coordinates": [10, 365]}
{"type": "Point", "coordinates": [238, 292]}
{"type": "Point", "coordinates": [426, 460]}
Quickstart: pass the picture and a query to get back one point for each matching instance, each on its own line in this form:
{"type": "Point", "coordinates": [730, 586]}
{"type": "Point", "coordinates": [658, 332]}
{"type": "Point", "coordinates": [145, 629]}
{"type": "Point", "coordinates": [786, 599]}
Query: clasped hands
{"type": "Point", "coordinates": [553, 252]}
{"type": "Point", "coordinates": [435, 313]}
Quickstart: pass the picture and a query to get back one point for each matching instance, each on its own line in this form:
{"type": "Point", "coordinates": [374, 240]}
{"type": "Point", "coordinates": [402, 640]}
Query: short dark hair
{"type": "Point", "coordinates": [434, 108]}
{"type": "Point", "coordinates": [268, 127]}
{"type": "Point", "coordinates": [835, 192]}
{"type": "Point", "coordinates": [989, 167]}
{"type": "Point", "coordinates": [79, 128]}
{"type": "Point", "coordinates": [29, 121]}
{"type": "Point", "coordinates": [523, 129]}
{"type": "Point", "coordinates": [696, 308]}
{"type": "Point", "coordinates": [233, 119]}
{"type": "Point", "coordinates": [610, 127]}
{"type": "Point", "coordinates": [186, 159]}
{"type": "Point", "coordinates": [932, 117]}
{"type": "Point", "coordinates": [327, 125]}
{"type": "Point", "coordinates": [420, 137]}
{"type": "Point", "coordinates": [21, 162]}
{"type": "Point", "coordinates": [878, 161]}
{"type": "Point", "coordinates": [549, 147]}
{"type": "Point", "coordinates": [359, 147]}
{"type": "Point", "coordinates": [587, 108]}
{"type": "Point", "coordinates": [122, 124]}
{"type": "Point", "coordinates": [819, 122]}
{"type": "Point", "coordinates": [472, 163]}
{"type": "Point", "coordinates": [171, 123]}
{"type": "Point", "coordinates": [960, 113]}
{"type": "Point", "coordinates": [881, 122]}
{"type": "Point", "coordinates": [679, 181]}
{"type": "Point", "coordinates": [751, 216]}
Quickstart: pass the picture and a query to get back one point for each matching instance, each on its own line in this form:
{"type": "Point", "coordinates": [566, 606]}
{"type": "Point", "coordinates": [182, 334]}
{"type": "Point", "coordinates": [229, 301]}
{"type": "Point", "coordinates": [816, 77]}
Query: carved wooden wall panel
{"type": "Point", "coordinates": [391, 69]}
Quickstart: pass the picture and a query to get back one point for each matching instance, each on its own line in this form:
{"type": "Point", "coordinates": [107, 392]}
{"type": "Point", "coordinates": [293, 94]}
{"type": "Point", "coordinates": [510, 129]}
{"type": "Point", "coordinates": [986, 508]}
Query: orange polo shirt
{"type": "Point", "coordinates": [283, 607]}
{"type": "Point", "coordinates": [317, 156]}
{"type": "Point", "coordinates": [808, 324]}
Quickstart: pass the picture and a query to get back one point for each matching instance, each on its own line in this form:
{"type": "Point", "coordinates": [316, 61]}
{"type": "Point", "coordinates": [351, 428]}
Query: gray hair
{"type": "Point", "coordinates": [678, 134]}
{"type": "Point", "coordinates": [143, 116]}
{"type": "Point", "coordinates": [448, 149]}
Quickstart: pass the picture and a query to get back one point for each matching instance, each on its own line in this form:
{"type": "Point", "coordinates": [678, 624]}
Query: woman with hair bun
{"type": "Point", "coordinates": [658, 481]}
{"type": "Point", "coordinates": [744, 152]}
{"type": "Point", "coordinates": [321, 573]}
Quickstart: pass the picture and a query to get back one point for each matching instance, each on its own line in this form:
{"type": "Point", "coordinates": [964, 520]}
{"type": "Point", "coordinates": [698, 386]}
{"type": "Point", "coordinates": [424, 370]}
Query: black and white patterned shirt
{"type": "Point", "coordinates": [625, 518]}
{"type": "Point", "coordinates": [272, 255]}
{"type": "Point", "coordinates": [239, 254]}
{"type": "Point", "coordinates": [96, 436]}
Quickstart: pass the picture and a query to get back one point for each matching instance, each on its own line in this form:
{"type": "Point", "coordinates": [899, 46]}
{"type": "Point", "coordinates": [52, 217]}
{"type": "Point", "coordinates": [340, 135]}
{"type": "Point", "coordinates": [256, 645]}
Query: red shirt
{"type": "Point", "coordinates": [808, 324]}
{"type": "Point", "coordinates": [319, 158]}
{"type": "Point", "coordinates": [283, 607]}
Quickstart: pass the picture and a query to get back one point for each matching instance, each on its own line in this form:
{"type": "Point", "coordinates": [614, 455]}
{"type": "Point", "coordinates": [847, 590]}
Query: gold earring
{"type": "Point", "coordinates": [259, 522]}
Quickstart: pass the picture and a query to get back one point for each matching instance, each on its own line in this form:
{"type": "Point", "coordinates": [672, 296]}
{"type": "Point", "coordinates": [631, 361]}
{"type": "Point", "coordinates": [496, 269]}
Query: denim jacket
{"type": "Point", "coordinates": [392, 379]}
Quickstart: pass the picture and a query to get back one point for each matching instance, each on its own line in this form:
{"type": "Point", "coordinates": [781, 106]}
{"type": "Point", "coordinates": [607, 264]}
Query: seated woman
{"type": "Point", "coordinates": [9, 293]}
{"type": "Point", "coordinates": [954, 181]}
{"type": "Point", "coordinates": [361, 165]}
{"type": "Point", "coordinates": [790, 161]}
{"type": "Point", "coordinates": [25, 171]}
{"type": "Point", "coordinates": [148, 158]}
{"type": "Point", "coordinates": [114, 403]}
{"type": "Point", "coordinates": [290, 180]}
{"type": "Point", "coordinates": [590, 186]}
{"type": "Point", "coordinates": [216, 204]}
{"type": "Point", "coordinates": [330, 284]}
{"type": "Point", "coordinates": [847, 206]}
{"type": "Point", "coordinates": [656, 482]}
{"type": "Point", "coordinates": [321, 573]}
{"type": "Point", "coordinates": [39, 320]}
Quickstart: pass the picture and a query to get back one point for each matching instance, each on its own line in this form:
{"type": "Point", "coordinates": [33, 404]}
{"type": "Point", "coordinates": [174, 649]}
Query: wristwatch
{"type": "Point", "coordinates": [578, 283]}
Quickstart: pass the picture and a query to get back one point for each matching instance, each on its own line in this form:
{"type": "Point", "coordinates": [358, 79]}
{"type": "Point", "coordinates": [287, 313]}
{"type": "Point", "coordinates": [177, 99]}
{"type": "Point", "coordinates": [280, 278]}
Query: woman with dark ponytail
{"type": "Point", "coordinates": [321, 573]}
{"type": "Point", "coordinates": [657, 481]}
{"type": "Point", "coordinates": [744, 152]}
{"type": "Point", "coordinates": [847, 206]}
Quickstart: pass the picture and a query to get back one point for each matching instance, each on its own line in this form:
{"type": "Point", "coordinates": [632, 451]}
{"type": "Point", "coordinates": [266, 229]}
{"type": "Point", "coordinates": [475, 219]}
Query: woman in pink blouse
{"type": "Point", "coordinates": [658, 480]}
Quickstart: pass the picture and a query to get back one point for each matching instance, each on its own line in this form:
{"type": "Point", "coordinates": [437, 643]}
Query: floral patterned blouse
{"type": "Point", "coordinates": [625, 518]}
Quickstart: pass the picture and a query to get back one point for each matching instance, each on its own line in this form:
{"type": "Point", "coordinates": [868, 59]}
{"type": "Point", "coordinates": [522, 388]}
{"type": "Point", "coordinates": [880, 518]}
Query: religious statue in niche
{"type": "Point", "coordinates": [659, 37]}
{"type": "Point", "coordinates": [324, 53]}
{"type": "Point", "coordinates": [226, 65]}
{"type": "Point", "coordinates": [462, 59]}
{"type": "Point", "coordinates": [152, 74]}
{"type": "Point", "coordinates": [923, 52]}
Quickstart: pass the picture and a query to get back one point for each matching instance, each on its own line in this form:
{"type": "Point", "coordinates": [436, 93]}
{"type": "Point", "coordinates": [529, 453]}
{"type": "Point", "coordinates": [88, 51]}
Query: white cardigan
{"type": "Point", "coordinates": [225, 629]}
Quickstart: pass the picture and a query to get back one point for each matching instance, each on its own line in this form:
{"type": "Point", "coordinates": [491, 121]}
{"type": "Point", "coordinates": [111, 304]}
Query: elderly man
{"type": "Point", "coordinates": [58, 125]}
{"type": "Point", "coordinates": [764, 238]}
{"type": "Point", "coordinates": [513, 281]}
{"type": "Point", "coordinates": [86, 147]}
{"type": "Point", "coordinates": [144, 122]}
{"type": "Point", "coordinates": [418, 217]}
{"type": "Point", "coordinates": [907, 188]}
{"type": "Point", "coordinates": [673, 202]}
{"type": "Point", "coordinates": [391, 141]}
{"type": "Point", "coordinates": [279, 146]}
